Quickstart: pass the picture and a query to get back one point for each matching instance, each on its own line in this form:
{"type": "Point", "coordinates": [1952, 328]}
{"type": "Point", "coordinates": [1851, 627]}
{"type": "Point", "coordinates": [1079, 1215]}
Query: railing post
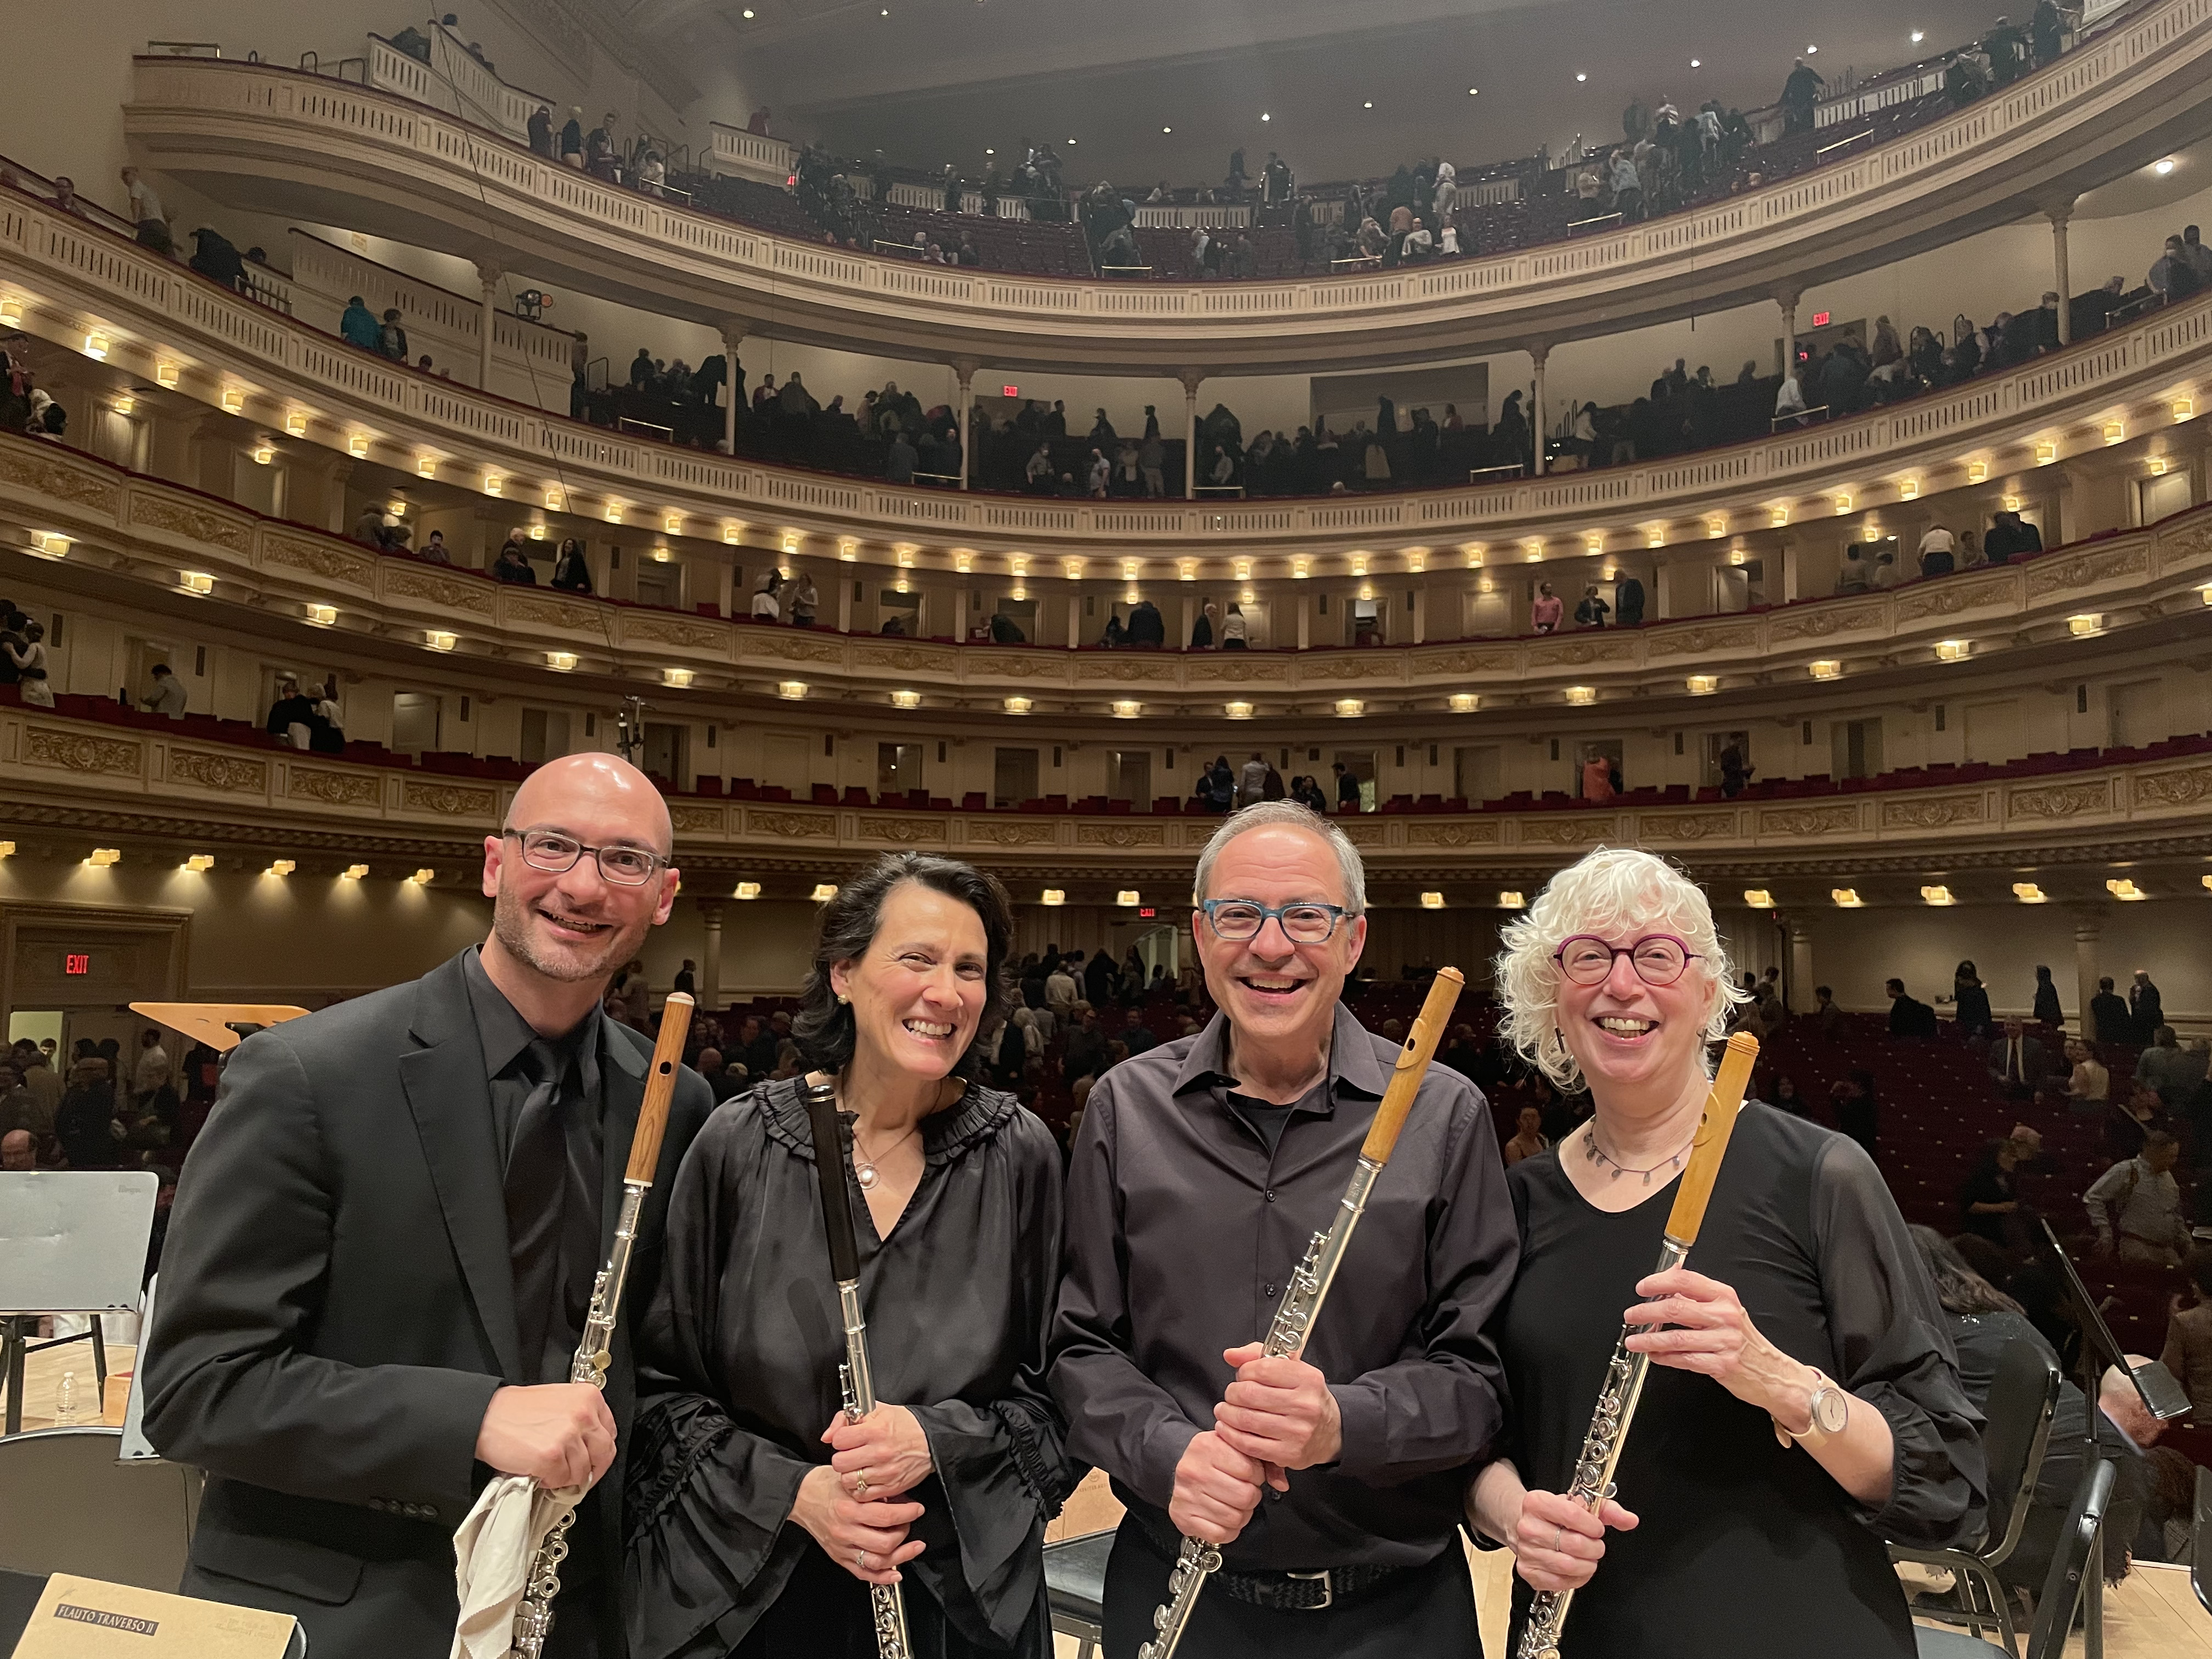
{"type": "Point", "coordinates": [733, 335]}
{"type": "Point", "coordinates": [1538, 352]}
{"type": "Point", "coordinates": [1191, 379]}
{"type": "Point", "coordinates": [2060, 218]}
{"type": "Point", "coordinates": [489, 275]}
{"type": "Point", "coordinates": [965, 368]}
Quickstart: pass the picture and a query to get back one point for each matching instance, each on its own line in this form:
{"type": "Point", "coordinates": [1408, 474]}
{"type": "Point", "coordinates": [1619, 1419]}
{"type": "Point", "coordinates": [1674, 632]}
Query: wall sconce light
{"type": "Point", "coordinates": [2088, 625]}
{"type": "Point", "coordinates": [747, 890]}
{"type": "Point", "coordinates": [537, 533]}
{"type": "Point", "coordinates": [424, 877]}
{"type": "Point", "coordinates": [1019, 705]}
{"type": "Point", "coordinates": [1129, 567]}
{"type": "Point", "coordinates": [96, 347]}
{"type": "Point", "coordinates": [679, 678]}
{"type": "Point", "coordinates": [1908, 489]}
{"type": "Point", "coordinates": [2028, 893]}
{"type": "Point", "coordinates": [1510, 898]}
{"type": "Point", "coordinates": [1417, 560]}
{"type": "Point", "coordinates": [2184, 407]}
{"type": "Point", "coordinates": [199, 863]}
{"type": "Point", "coordinates": [552, 498]}
{"type": "Point", "coordinates": [1655, 537]}
{"type": "Point", "coordinates": [1187, 570]}
{"type": "Point", "coordinates": [964, 561]}
{"type": "Point", "coordinates": [2046, 451]}
{"type": "Point", "coordinates": [493, 483]}
{"type": "Point", "coordinates": [1581, 695]}
{"type": "Point", "coordinates": [1127, 710]}
{"type": "Point", "coordinates": [1780, 517]}
{"type": "Point", "coordinates": [1432, 901]}
{"type": "Point", "coordinates": [1017, 564]}
{"type": "Point", "coordinates": [2124, 889]}
{"type": "Point", "coordinates": [731, 531]}
{"type": "Point", "coordinates": [323, 616]}
{"type": "Point", "coordinates": [1759, 898]}
{"type": "Point", "coordinates": [2116, 432]}
{"type": "Point", "coordinates": [438, 639]}
{"type": "Point", "coordinates": [906, 699]}
{"type": "Point", "coordinates": [196, 582]}
{"type": "Point", "coordinates": [1301, 568]}
{"type": "Point", "coordinates": [1953, 650]}
{"type": "Point", "coordinates": [296, 423]}
{"type": "Point", "coordinates": [2158, 466]}
{"type": "Point", "coordinates": [1054, 896]}
{"type": "Point", "coordinates": [791, 690]}
{"type": "Point", "coordinates": [661, 556]}
{"type": "Point", "coordinates": [103, 856]}
{"type": "Point", "coordinates": [165, 375]}
{"type": "Point", "coordinates": [1243, 568]}
{"type": "Point", "coordinates": [674, 524]}
{"type": "Point", "coordinates": [791, 540]}
{"type": "Point", "coordinates": [1739, 557]}
{"type": "Point", "coordinates": [354, 873]}
{"type": "Point", "coordinates": [1716, 525]}
{"type": "Point", "coordinates": [11, 313]}
{"type": "Point", "coordinates": [264, 454]}
{"type": "Point", "coordinates": [1127, 898]}
{"type": "Point", "coordinates": [614, 512]}
{"type": "Point", "coordinates": [281, 867]}
{"type": "Point", "coordinates": [49, 543]}
{"type": "Point", "coordinates": [1937, 895]}
{"type": "Point", "coordinates": [1349, 708]}
{"type": "Point", "coordinates": [824, 892]}
{"type": "Point", "coordinates": [1474, 550]}
{"type": "Point", "coordinates": [1977, 471]}
{"type": "Point", "coordinates": [1704, 685]}
{"type": "Point", "coordinates": [357, 446]}
{"type": "Point", "coordinates": [1073, 569]}
{"type": "Point", "coordinates": [1465, 702]}
{"type": "Point", "coordinates": [1359, 564]}
{"type": "Point", "coordinates": [1843, 502]}
{"type": "Point", "coordinates": [1846, 898]}
{"type": "Point", "coordinates": [1594, 542]}
{"type": "Point", "coordinates": [1826, 668]}
{"type": "Point", "coordinates": [565, 661]}
{"type": "Point", "coordinates": [1533, 550]}
{"type": "Point", "coordinates": [1237, 711]}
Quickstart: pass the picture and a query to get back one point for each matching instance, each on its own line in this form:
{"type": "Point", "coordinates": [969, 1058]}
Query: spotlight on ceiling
{"type": "Point", "coordinates": [1474, 91]}
{"type": "Point", "coordinates": [2163, 167]}
{"type": "Point", "coordinates": [1582, 77]}
{"type": "Point", "coordinates": [1918, 35]}
{"type": "Point", "coordinates": [1697, 63]}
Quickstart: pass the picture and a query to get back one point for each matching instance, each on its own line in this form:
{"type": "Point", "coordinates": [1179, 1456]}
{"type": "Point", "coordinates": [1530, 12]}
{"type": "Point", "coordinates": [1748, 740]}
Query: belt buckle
{"type": "Point", "coordinates": [1327, 1587]}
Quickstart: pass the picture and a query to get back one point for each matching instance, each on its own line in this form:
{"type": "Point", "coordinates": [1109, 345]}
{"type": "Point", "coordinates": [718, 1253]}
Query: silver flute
{"type": "Point", "coordinates": [886, 1602]}
{"type": "Point", "coordinates": [1301, 1301]}
{"type": "Point", "coordinates": [533, 1615]}
{"type": "Point", "coordinates": [1623, 1388]}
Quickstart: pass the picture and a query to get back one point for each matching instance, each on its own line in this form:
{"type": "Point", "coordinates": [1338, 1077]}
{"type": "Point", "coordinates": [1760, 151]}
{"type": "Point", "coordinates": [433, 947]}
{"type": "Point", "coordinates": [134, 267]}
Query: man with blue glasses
{"type": "Point", "coordinates": [1202, 1169]}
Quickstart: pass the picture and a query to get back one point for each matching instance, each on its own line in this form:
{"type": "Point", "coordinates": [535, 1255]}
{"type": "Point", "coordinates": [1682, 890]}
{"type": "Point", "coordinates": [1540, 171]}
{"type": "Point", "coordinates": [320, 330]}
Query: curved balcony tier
{"type": "Point", "coordinates": [107, 525]}
{"type": "Point", "coordinates": [149, 785]}
{"type": "Point", "coordinates": [74, 283]}
{"type": "Point", "coordinates": [279, 141]}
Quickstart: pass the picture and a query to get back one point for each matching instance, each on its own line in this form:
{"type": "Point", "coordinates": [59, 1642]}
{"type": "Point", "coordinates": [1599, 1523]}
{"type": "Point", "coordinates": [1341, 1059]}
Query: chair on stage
{"type": "Point", "coordinates": [2074, 1564]}
{"type": "Point", "coordinates": [1075, 1584]}
{"type": "Point", "coordinates": [73, 1506]}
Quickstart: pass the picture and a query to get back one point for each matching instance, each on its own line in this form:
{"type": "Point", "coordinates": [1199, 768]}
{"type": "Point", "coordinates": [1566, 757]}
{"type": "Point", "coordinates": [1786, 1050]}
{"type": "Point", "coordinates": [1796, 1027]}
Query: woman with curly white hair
{"type": "Point", "coordinates": [1804, 1402]}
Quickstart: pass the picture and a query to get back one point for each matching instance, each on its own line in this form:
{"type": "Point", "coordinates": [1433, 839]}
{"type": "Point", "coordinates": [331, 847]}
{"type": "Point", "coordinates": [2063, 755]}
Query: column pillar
{"type": "Point", "coordinates": [2088, 929]}
{"type": "Point", "coordinates": [845, 602]}
{"type": "Point", "coordinates": [2060, 218]}
{"type": "Point", "coordinates": [489, 275]}
{"type": "Point", "coordinates": [1074, 621]}
{"type": "Point", "coordinates": [1416, 614]}
{"type": "Point", "coordinates": [965, 369]}
{"type": "Point", "coordinates": [1305, 622]}
{"type": "Point", "coordinates": [710, 957]}
{"type": "Point", "coordinates": [1787, 298]}
{"type": "Point", "coordinates": [1801, 968]}
{"type": "Point", "coordinates": [733, 335]}
{"type": "Point", "coordinates": [1537, 354]}
{"type": "Point", "coordinates": [1191, 379]}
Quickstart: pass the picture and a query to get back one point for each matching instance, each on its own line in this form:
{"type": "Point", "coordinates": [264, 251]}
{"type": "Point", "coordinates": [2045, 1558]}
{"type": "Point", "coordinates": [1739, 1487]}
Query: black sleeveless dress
{"type": "Point", "coordinates": [1745, 1549]}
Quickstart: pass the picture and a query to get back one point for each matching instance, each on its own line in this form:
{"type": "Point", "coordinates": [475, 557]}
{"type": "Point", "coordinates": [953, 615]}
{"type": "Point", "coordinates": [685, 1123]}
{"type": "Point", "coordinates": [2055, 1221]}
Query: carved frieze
{"type": "Point", "coordinates": [1685, 826]}
{"type": "Point", "coordinates": [46, 475]}
{"type": "Point", "coordinates": [1011, 832]}
{"type": "Point", "coordinates": [1931, 812]}
{"type": "Point", "coordinates": [2184, 787]}
{"type": "Point", "coordinates": [1230, 668]}
{"type": "Point", "coordinates": [1121, 834]}
{"type": "Point", "coordinates": [2059, 800]}
{"type": "Point", "coordinates": [452, 800]}
{"type": "Point", "coordinates": [790, 826]}
{"type": "Point", "coordinates": [906, 658]}
{"type": "Point", "coordinates": [1568, 832]}
{"type": "Point", "coordinates": [80, 751]}
{"type": "Point", "coordinates": [905, 831]}
{"type": "Point", "coordinates": [2048, 575]}
{"type": "Point", "coordinates": [1818, 624]}
{"type": "Point", "coordinates": [553, 613]}
{"type": "Point", "coordinates": [1366, 832]}
{"type": "Point", "coordinates": [1469, 662]}
{"type": "Point", "coordinates": [1704, 641]}
{"type": "Point", "coordinates": [1576, 654]}
{"type": "Point", "coordinates": [696, 820]}
{"type": "Point", "coordinates": [1808, 820]}
{"type": "Point", "coordinates": [1133, 668]}
{"type": "Point", "coordinates": [1453, 832]}
{"type": "Point", "coordinates": [231, 775]}
{"type": "Point", "coordinates": [673, 631]}
{"type": "Point", "coordinates": [330, 563]}
{"type": "Point", "coordinates": [789, 644]}
{"type": "Point", "coordinates": [1014, 665]}
{"type": "Point", "coordinates": [335, 788]}
{"type": "Point", "coordinates": [447, 592]}
{"type": "Point", "coordinates": [194, 522]}
{"type": "Point", "coordinates": [1948, 599]}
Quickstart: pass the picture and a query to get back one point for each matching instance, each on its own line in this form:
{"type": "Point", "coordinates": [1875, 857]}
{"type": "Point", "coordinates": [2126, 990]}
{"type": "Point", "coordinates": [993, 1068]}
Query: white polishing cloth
{"type": "Point", "coordinates": [492, 1553]}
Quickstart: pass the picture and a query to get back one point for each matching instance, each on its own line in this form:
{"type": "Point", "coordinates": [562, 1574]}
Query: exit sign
{"type": "Point", "coordinates": [1820, 318]}
{"type": "Point", "coordinates": [1010, 392]}
{"type": "Point", "coordinates": [76, 962]}
{"type": "Point", "coordinates": [1146, 913]}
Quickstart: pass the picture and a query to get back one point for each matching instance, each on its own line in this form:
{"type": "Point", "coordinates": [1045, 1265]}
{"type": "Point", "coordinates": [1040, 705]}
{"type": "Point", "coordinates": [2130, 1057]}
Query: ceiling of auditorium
{"type": "Point", "coordinates": [1349, 88]}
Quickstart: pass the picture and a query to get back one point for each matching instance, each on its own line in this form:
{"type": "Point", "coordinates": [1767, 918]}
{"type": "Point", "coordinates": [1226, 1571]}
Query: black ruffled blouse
{"type": "Point", "coordinates": [738, 1365]}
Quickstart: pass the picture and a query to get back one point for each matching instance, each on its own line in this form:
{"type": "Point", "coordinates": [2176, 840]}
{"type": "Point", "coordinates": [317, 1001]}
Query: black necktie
{"type": "Point", "coordinates": [552, 1215]}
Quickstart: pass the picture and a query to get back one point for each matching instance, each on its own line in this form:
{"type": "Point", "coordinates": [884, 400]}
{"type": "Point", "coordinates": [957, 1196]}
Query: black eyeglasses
{"type": "Point", "coordinates": [556, 853]}
{"type": "Point", "coordinates": [1304, 922]}
{"type": "Point", "coordinates": [1658, 958]}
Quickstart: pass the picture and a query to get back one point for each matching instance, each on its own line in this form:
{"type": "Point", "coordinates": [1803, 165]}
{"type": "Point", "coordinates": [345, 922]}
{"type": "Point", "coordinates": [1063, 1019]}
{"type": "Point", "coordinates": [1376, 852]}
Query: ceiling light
{"type": "Point", "coordinates": [1581, 695]}
{"type": "Point", "coordinates": [234, 400]}
{"type": "Point", "coordinates": [1053, 895]}
{"type": "Point", "coordinates": [96, 347]}
{"type": "Point", "coordinates": [1432, 901]}
{"type": "Point", "coordinates": [1508, 898]}
{"type": "Point", "coordinates": [1697, 63]}
{"type": "Point", "coordinates": [1167, 129]}
{"type": "Point", "coordinates": [281, 867]}
{"type": "Point", "coordinates": [52, 545]}
{"type": "Point", "coordinates": [196, 582]}
{"type": "Point", "coordinates": [824, 892]}
{"type": "Point", "coordinates": [2185, 406]}
{"type": "Point", "coordinates": [1953, 650]}
{"type": "Point", "coordinates": [1846, 898]}
{"type": "Point", "coordinates": [1473, 91]}
{"type": "Point", "coordinates": [1937, 895]}
{"type": "Point", "coordinates": [439, 640]}
{"type": "Point", "coordinates": [2086, 625]}
{"type": "Point", "coordinates": [2028, 893]}
{"type": "Point", "coordinates": [1809, 51]}
{"type": "Point", "coordinates": [1759, 898]}
{"type": "Point", "coordinates": [2162, 168]}
{"type": "Point", "coordinates": [1704, 685]}
{"type": "Point", "coordinates": [198, 863]}
{"type": "Point", "coordinates": [676, 677]}
{"type": "Point", "coordinates": [1826, 668]}
{"type": "Point", "coordinates": [1582, 77]}
{"type": "Point", "coordinates": [1465, 702]}
{"type": "Point", "coordinates": [424, 877]}
{"type": "Point", "coordinates": [1264, 116]}
{"type": "Point", "coordinates": [2046, 451]}
{"type": "Point", "coordinates": [2123, 888]}
{"type": "Point", "coordinates": [1127, 898]}
{"type": "Point", "coordinates": [1350, 709]}
{"type": "Point", "coordinates": [748, 16]}
{"type": "Point", "coordinates": [354, 873]}
{"type": "Point", "coordinates": [11, 313]}
{"type": "Point", "coordinates": [323, 616]}
{"type": "Point", "coordinates": [1019, 705]}
{"type": "Point", "coordinates": [1370, 104]}
{"type": "Point", "coordinates": [1917, 36]}
{"type": "Point", "coordinates": [1127, 710]}
{"type": "Point", "coordinates": [906, 699]}
{"type": "Point", "coordinates": [791, 690]}
{"type": "Point", "coordinates": [103, 856]}
{"type": "Point", "coordinates": [357, 445]}
{"type": "Point", "coordinates": [747, 890]}
{"type": "Point", "coordinates": [563, 660]}
{"type": "Point", "coordinates": [1237, 711]}
{"type": "Point", "coordinates": [166, 374]}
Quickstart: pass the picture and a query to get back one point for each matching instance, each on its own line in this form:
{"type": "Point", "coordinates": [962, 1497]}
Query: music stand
{"type": "Point", "coordinates": [2159, 1390]}
{"type": "Point", "coordinates": [72, 1241]}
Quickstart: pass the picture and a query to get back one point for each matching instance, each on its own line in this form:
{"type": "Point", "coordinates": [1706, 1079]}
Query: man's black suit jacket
{"type": "Point", "coordinates": [336, 1308]}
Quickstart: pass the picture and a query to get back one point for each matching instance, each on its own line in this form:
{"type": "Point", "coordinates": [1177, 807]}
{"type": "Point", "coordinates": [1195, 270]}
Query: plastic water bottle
{"type": "Point", "coordinates": [65, 1402]}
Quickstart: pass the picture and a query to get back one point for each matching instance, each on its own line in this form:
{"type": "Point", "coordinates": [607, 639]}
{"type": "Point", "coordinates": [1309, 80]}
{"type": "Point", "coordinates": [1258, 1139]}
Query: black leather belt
{"type": "Point", "coordinates": [1292, 1592]}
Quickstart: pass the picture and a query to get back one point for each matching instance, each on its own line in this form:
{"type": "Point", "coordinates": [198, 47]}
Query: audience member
{"type": "Point", "coordinates": [2017, 1062]}
{"type": "Point", "coordinates": [2188, 1350]}
{"type": "Point", "coordinates": [2087, 1083]}
{"type": "Point", "coordinates": [1530, 1140]}
{"type": "Point", "coordinates": [2168, 1068]}
{"type": "Point", "coordinates": [2110, 1020]}
{"type": "Point", "coordinates": [2047, 1010]}
{"type": "Point", "coordinates": [2138, 1202]}
{"type": "Point", "coordinates": [2146, 1008]}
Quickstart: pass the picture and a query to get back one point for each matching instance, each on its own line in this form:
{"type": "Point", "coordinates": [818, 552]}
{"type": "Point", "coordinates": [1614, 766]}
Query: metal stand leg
{"type": "Point", "coordinates": [2093, 1638]}
{"type": "Point", "coordinates": [98, 1365]}
{"type": "Point", "coordinates": [11, 1345]}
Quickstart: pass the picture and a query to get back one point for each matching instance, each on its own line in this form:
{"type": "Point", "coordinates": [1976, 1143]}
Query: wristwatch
{"type": "Point", "coordinates": [1831, 1414]}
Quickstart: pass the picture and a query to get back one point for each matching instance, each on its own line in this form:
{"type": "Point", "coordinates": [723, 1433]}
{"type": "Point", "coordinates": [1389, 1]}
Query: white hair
{"type": "Point", "coordinates": [1611, 892]}
{"type": "Point", "coordinates": [1259, 816]}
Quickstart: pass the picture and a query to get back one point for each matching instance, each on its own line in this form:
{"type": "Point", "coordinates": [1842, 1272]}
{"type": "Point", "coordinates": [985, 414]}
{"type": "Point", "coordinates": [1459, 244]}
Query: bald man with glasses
{"type": "Point", "coordinates": [384, 1242]}
{"type": "Point", "coordinates": [1201, 1170]}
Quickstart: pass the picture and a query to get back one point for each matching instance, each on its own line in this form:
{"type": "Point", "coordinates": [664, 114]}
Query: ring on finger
{"type": "Point", "coordinates": [1559, 1539]}
{"type": "Point", "coordinates": [860, 1559]}
{"type": "Point", "coordinates": [860, 1484]}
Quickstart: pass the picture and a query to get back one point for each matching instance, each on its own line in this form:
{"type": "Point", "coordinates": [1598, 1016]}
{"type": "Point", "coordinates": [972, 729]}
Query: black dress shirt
{"type": "Point", "coordinates": [1183, 1229]}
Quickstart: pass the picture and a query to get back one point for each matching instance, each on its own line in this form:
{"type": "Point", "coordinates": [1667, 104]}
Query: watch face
{"type": "Point", "coordinates": [1831, 1411]}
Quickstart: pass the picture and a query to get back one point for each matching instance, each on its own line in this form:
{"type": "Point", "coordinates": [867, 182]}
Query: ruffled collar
{"type": "Point", "coordinates": [976, 1118]}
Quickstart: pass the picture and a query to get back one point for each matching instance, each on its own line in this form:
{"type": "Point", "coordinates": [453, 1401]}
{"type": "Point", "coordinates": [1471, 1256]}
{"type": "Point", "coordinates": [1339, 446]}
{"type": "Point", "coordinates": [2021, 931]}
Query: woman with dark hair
{"type": "Point", "coordinates": [755, 1529]}
{"type": "Point", "coordinates": [1972, 1001]}
{"type": "Point", "coordinates": [1788, 1099]}
{"type": "Point", "coordinates": [570, 573]}
{"type": "Point", "coordinates": [1857, 1113]}
{"type": "Point", "coordinates": [2047, 1010]}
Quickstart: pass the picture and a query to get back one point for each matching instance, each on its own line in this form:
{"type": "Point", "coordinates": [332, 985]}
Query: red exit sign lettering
{"type": "Point", "coordinates": [1145, 913]}
{"type": "Point", "coordinates": [76, 962]}
{"type": "Point", "coordinates": [1010, 392]}
{"type": "Point", "coordinates": [1820, 318]}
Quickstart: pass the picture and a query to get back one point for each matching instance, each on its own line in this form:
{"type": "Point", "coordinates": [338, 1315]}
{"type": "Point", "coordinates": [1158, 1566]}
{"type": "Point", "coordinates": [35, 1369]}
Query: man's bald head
{"type": "Point", "coordinates": [607, 782]}
{"type": "Point", "coordinates": [17, 1151]}
{"type": "Point", "coordinates": [2118, 1398]}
